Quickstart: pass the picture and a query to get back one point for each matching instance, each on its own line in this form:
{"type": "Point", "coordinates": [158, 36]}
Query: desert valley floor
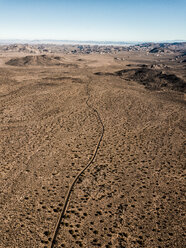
{"type": "Point", "coordinates": [55, 110]}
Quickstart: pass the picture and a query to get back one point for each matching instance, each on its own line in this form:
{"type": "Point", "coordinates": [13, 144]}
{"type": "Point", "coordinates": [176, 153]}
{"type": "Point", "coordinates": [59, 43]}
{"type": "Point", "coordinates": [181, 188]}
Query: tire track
{"type": "Point", "coordinates": [65, 206]}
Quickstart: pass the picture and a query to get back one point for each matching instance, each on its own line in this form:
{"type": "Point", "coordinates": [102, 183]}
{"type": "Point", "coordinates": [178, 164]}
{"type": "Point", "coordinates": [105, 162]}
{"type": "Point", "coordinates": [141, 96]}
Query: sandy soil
{"type": "Point", "coordinates": [132, 195]}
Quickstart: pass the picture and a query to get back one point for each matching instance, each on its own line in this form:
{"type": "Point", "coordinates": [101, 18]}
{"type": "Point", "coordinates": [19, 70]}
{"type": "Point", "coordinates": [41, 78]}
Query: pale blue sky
{"type": "Point", "coordinates": [115, 20]}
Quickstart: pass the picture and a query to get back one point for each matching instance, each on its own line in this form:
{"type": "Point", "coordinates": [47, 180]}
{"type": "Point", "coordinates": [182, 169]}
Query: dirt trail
{"type": "Point", "coordinates": [67, 199]}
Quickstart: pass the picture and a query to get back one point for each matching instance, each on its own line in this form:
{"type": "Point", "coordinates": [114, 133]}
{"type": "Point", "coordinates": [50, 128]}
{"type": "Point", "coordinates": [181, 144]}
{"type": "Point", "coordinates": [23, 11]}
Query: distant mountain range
{"type": "Point", "coordinates": [90, 42]}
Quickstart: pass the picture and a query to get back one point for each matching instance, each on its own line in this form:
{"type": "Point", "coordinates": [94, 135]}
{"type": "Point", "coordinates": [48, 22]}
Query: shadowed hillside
{"type": "Point", "coordinates": [35, 60]}
{"type": "Point", "coordinates": [154, 79]}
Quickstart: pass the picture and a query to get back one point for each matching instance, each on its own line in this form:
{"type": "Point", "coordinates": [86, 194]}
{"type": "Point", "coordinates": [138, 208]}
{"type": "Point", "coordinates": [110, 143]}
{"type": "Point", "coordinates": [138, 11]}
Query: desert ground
{"type": "Point", "coordinates": [92, 138]}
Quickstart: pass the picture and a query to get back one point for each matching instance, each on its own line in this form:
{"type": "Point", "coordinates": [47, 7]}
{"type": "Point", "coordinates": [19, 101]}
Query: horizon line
{"type": "Point", "coordinates": [93, 41]}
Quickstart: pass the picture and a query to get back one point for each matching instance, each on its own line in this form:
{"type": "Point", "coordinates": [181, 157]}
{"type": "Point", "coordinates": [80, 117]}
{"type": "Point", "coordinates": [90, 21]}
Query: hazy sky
{"type": "Point", "coordinates": [116, 20]}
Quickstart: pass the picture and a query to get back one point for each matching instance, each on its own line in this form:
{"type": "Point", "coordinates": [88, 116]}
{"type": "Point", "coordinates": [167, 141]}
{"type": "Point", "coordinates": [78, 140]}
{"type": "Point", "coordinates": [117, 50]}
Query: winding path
{"type": "Point", "coordinates": [67, 199]}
